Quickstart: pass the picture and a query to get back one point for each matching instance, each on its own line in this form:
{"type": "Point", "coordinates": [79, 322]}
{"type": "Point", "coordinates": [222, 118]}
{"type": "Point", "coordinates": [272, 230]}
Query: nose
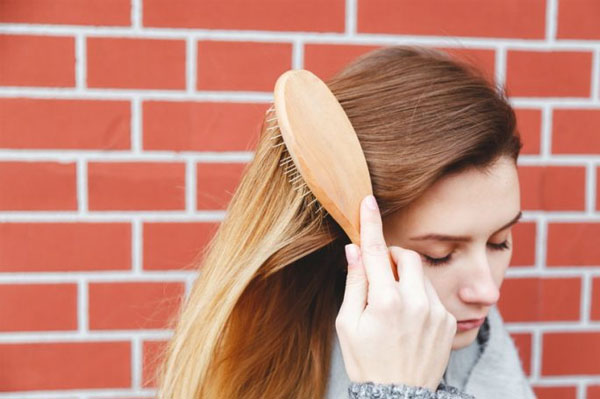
{"type": "Point", "coordinates": [479, 286]}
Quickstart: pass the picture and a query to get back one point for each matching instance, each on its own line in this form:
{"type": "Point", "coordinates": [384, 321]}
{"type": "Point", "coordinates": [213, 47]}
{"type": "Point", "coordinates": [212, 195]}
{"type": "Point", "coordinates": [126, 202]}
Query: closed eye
{"type": "Point", "coordinates": [446, 259]}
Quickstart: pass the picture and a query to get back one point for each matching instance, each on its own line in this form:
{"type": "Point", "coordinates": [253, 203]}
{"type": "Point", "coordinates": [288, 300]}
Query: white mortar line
{"type": "Point", "coordinates": [282, 36]}
{"type": "Point", "coordinates": [80, 63]}
{"type": "Point", "coordinates": [351, 18]}
{"type": "Point", "coordinates": [191, 64]}
{"type": "Point", "coordinates": [136, 246]}
{"type": "Point", "coordinates": [551, 24]}
{"type": "Point", "coordinates": [190, 187]}
{"type": "Point", "coordinates": [136, 15]}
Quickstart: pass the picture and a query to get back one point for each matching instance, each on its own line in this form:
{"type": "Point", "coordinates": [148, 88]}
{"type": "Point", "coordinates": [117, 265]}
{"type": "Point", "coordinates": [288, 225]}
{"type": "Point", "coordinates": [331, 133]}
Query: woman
{"type": "Point", "coordinates": [260, 320]}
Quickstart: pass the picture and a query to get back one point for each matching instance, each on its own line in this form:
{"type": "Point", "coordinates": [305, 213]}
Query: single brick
{"type": "Point", "coordinates": [593, 392]}
{"type": "Point", "coordinates": [548, 73]}
{"type": "Point", "coordinates": [282, 15]}
{"type": "Point", "coordinates": [174, 246]}
{"type": "Point", "coordinates": [65, 365]}
{"type": "Point", "coordinates": [490, 18]}
{"type": "Point", "coordinates": [234, 65]}
{"type": "Point", "coordinates": [53, 247]}
{"type": "Point", "coordinates": [324, 60]}
{"type": "Point", "coordinates": [523, 235]}
{"type": "Point", "coordinates": [135, 63]}
{"type": "Point", "coordinates": [529, 125]}
{"type": "Point", "coordinates": [578, 19]}
{"type": "Point", "coordinates": [38, 186]}
{"type": "Point", "coordinates": [152, 352]}
{"type": "Point", "coordinates": [570, 353]}
{"type": "Point", "coordinates": [540, 299]}
{"type": "Point", "coordinates": [575, 131]}
{"type": "Point", "coordinates": [201, 126]}
{"type": "Point", "coordinates": [72, 12]}
{"type": "Point", "coordinates": [522, 342]}
{"type": "Point", "coordinates": [216, 183]}
{"type": "Point", "coordinates": [552, 188]}
{"type": "Point", "coordinates": [59, 124]}
{"type": "Point", "coordinates": [47, 61]}
{"type": "Point", "coordinates": [573, 244]}
{"type": "Point", "coordinates": [133, 305]}
{"type": "Point", "coordinates": [561, 392]}
{"type": "Point", "coordinates": [137, 186]}
{"type": "Point", "coordinates": [38, 307]}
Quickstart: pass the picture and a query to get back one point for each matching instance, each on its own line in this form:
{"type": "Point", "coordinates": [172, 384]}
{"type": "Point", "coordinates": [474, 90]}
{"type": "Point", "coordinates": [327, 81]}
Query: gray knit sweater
{"type": "Point", "coordinates": [489, 368]}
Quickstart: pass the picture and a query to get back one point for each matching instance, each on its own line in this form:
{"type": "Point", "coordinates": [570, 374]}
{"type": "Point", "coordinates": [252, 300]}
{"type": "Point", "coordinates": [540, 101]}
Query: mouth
{"type": "Point", "coordinates": [466, 325]}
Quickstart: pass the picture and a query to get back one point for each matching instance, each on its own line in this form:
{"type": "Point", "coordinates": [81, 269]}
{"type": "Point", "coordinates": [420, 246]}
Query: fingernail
{"type": "Point", "coordinates": [351, 253]}
{"type": "Point", "coordinates": [371, 202]}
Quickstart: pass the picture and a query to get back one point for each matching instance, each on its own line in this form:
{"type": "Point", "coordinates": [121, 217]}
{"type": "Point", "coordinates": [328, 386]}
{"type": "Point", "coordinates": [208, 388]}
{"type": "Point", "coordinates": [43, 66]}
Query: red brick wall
{"type": "Point", "coordinates": [125, 124]}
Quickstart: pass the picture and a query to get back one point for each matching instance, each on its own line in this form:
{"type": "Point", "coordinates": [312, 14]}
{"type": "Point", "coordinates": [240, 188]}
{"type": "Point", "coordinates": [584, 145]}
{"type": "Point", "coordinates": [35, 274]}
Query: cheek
{"type": "Point", "coordinates": [444, 283]}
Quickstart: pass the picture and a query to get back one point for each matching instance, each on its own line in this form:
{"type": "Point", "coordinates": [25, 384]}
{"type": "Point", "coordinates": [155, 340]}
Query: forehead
{"type": "Point", "coordinates": [470, 202]}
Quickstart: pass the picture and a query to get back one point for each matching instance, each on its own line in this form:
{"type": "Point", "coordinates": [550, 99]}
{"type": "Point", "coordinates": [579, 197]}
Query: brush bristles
{"type": "Point", "coordinates": [287, 163]}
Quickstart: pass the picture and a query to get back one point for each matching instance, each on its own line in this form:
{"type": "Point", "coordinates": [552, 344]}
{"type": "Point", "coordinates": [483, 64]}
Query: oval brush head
{"type": "Point", "coordinates": [326, 155]}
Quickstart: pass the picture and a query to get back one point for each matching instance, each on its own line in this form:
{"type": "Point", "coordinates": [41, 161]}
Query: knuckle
{"type": "Point", "coordinates": [418, 306]}
{"type": "Point", "coordinates": [388, 301]}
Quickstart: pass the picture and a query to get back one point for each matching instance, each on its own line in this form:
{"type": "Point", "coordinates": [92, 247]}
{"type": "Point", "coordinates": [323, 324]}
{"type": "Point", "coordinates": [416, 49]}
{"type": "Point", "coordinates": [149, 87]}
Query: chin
{"type": "Point", "coordinates": [463, 339]}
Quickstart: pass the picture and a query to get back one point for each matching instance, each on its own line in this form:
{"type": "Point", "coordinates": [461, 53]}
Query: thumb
{"type": "Point", "coordinates": [355, 294]}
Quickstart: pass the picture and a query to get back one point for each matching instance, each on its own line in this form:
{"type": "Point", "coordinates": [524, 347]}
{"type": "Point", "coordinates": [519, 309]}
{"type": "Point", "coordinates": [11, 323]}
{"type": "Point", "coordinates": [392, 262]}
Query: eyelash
{"type": "Point", "coordinates": [446, 259]}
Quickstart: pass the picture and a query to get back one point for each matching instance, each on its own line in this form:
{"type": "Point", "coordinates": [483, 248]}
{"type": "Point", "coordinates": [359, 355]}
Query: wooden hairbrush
{"type": "Point", "coordinates": [322, 155]}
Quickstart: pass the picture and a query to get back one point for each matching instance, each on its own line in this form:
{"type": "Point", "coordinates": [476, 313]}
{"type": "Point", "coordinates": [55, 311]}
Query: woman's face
{"type": "Point", "coordinates": [478, 207]}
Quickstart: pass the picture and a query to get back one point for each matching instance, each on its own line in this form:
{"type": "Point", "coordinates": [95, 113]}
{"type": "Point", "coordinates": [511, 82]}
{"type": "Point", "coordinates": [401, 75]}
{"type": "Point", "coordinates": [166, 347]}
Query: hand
{"type": "Point", "coordinates": [391, 331]}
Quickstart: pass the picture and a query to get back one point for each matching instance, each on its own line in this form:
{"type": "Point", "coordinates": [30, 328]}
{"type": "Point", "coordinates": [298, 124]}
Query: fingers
{"type": "Point", "coordinates": [434, 299]}
{"type": "Point", "coordinates": [374, 250]}
{"type": "Point", "coordinates": [410, 271]}
{"type": "Point", "coordinates": [355, 294]}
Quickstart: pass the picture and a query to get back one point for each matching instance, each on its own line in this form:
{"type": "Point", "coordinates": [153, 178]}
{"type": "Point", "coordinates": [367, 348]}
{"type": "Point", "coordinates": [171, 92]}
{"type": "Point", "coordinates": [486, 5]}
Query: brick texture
{"type": "Point", "coordinates": [135, 186]}
{"type": "Point", "coordinates": [578, 19]}
{"type": "Point", "coordinates": [571, 353]}
{"type": "Point", "coordinates": [29, 60]}
{"type": "Point", "coordinates": [287, 15]}
{"type": "Point", "coordinates": [45, 247]}
{"type": "Point", "coordinates": [72, 12]}
{"type": "Point", "coordinates": [135, 63]}
{"type": "Point", "coordinates": [216, 185]}
{"type": "Point", "coordinates": [38, 307]}
{"type": "Point", "coordinates": [552, 188]}
{"type": "Point", "coordinates": [42, 366]}
{"type": "Point", "coordinates": [540, 299]}
{"type": "Point", "coordinates": [251, 66]}
{"type": "Point", "coordinates": [493, 18]}
{"type": "Point", "coordinates": [175, 246]}
{"type": "Point", "coordinates": [135, 305]}
{"type": "Point", "coordinates": [575, 131]}
{"type": "Point", "coordinates": [37, 186]}
{"type": "Point", "coordinates": [201, 126]}
{"type": "Point", "coordinates": [548, 73]}
{"type": "Point", "coordinates": [573, 244]}
{"type": "Point", "coordinates": [58, 124]}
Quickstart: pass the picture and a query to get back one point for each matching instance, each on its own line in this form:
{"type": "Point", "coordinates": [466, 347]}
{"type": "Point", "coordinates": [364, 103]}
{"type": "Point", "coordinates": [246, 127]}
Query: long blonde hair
{"type": "Point", "coordinates": [259, 319]}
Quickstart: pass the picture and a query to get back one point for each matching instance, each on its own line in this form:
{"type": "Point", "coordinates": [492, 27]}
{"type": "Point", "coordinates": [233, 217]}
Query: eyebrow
{"type": "Point", "coordinates": [443, 237]}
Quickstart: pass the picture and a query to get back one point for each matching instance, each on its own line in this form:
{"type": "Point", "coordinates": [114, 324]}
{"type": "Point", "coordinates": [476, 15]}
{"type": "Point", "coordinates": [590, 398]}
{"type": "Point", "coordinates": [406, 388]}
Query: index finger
{"type": "Point", "coordinates": [374, 250]}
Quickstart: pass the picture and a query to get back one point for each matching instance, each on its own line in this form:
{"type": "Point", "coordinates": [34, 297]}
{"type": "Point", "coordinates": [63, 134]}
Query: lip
{"type": "Point", "coordinates": [469, 324]}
